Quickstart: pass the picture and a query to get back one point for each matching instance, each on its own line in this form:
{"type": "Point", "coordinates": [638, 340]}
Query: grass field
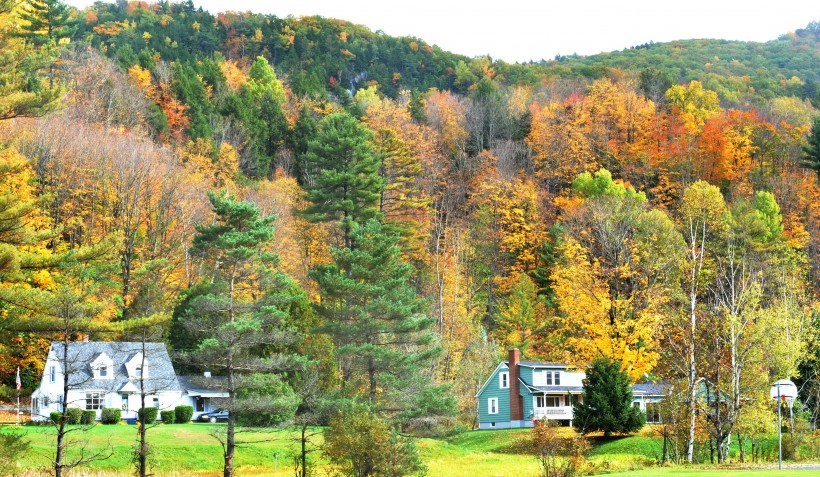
{"type": "Point", "coordinates": [190, 450]}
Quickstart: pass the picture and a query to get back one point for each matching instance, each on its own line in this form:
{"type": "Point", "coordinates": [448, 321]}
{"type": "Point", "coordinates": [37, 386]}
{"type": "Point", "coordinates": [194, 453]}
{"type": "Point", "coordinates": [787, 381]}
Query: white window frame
{"type": "Point", "coordinates": [557, 378]}
{"type": "Point", "coordinates": [549, 378]}
{"type": "Point", "coordinates": [492, 406]}
{"type": "Point", "coordinates": [504, 380]}
{"type": "Point", "coordinates": [94, 401]}
{"type": "Point", "coordinates": [52, 373]}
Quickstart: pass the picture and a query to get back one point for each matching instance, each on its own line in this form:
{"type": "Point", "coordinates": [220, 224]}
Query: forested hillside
{"type": "Point", "coordinates": [402, 214]}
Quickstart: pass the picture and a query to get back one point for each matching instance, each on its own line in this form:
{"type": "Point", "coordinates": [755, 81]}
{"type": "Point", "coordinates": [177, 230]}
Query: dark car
{"type": "Point", "coordinates": [214, 416]}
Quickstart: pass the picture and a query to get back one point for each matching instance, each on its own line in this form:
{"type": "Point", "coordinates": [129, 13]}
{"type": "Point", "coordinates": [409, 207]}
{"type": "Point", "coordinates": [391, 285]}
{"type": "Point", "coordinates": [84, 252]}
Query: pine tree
{"type": "Point", "coordinates": [607, 401]}
{"type": "Point", "coordinates": [239, 321]}
{"type": "Point", "coordinates": [344, 170]}
{"type": "Point", "coordinates": [384, 339]}
{"type": "Point", "coordinates": [44, 24]}
{"type": "Point", "coordinates": [811, 151]}
{"type": "Point", "coordinates": [21, 92]}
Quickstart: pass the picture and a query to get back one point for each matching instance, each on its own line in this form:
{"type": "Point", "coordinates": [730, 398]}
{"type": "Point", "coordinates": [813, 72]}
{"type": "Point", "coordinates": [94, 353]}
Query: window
{"type": "Point", "coordinates": [52, 374]}
{"type": "Point", "coordinates": [138, 371]}
{"type": "Point", "coordinates": [557, 378]}
{"type": "Point", "coordinates": [200, 404]}
{"type": "Point", "coordinates": [504, 380]}
{"type": "Point", "coordinates": [547, 401]}
{"type": "Point", "coordinates": [93, 401]}
{"type": "Point", "coordinates": [653, 413]}
{"type": "Point", "coordinates": [492, 406]}
{"type": "Point", "coordinates": [103, 371]}
{"type": "Point", "coordinates": [124, 399]}
{"type": "Point", "coordinates": [156, 403]}
{"type": "Point", "coordinates": [549, 378]}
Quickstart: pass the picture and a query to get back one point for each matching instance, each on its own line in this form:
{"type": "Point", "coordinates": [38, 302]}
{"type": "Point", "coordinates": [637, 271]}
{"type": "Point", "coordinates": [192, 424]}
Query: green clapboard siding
{"type": "Point", "coordinates": [493, 390]}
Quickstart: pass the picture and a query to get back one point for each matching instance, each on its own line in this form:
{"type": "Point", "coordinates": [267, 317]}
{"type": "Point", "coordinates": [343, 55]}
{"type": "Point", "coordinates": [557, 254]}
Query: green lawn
{"type": "Point", "coordinates": [189, 449]}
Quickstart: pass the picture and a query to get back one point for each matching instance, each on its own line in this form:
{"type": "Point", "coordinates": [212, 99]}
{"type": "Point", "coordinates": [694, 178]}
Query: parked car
{"type": "Point", "coordinates": [218, 415]}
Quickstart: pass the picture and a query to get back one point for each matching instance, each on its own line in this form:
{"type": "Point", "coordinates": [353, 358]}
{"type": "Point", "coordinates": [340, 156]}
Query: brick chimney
{"type": "Point", "coordinates": [516, 401]}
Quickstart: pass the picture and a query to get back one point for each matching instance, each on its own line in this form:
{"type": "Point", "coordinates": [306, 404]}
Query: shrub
{"type": "Point", "coordinates": [56, 416]}
{"type": "Point", "coordinates": [183, 414]}
{"type": "Point", "coordinates": [13, 446]}
{"type": "Point", "coordinates": [150, 414]}
{"type": "Point", "coordinates": [111, 415]}
{"type": "Point", "coordinates": [167, 416]}
{"type": "Point", "coordinates": [73, 415]}
{"type": "Point", "coordinates": [89, 417]}
{"type": "Point", "coordinates": [359, 442]}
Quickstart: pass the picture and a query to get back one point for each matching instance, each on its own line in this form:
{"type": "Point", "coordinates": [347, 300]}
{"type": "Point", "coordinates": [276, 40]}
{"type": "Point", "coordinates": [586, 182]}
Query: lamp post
{"type": "Point", "coordinates": [782, 390]}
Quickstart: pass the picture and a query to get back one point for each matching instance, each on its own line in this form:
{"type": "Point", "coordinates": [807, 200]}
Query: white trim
{"type": "Point", "coordinates": [492, 403]}
{"type": "Point", "coordinates": [501, 365]}
{"type": "Point", "coordinates": [504, 380]}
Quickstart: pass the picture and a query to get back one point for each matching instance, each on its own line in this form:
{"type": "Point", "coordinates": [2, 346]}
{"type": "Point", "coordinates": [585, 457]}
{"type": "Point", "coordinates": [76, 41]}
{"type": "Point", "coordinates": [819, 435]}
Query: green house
{"type": "Point", "coordinates": [518, 393]}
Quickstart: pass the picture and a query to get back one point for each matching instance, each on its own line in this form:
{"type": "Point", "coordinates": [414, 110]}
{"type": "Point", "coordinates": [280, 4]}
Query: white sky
{"type": "Point", "coordinates": [520, 30]}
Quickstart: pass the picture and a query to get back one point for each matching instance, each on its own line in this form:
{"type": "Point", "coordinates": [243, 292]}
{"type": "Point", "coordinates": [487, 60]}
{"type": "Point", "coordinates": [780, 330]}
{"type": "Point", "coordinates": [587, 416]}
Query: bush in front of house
{"type": "Point", "coordinates": [88, 417]}
{"type": "Point", "coordinates": [183, 414]}
{"type": "Point", "coordinates": [111, 415]}
{"type": "Point", "coordinates": [150, 414]}
{"type": "Point", "coordinates": [55, 416]}
{"type": "Point", "coordinates": [167, 416]}
{"type": "Point", "coordinates": [73, 415]}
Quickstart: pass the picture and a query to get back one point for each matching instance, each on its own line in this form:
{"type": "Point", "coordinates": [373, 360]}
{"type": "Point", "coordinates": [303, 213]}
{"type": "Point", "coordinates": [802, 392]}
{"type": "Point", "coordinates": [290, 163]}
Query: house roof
{"type": "Point", "coordinates": [539, 364]}
{"type": "Point", "coordinates": [160, 375]}
{"type": "Point", "coordinates": [202, 386]}
{"type": "Point", "coordinates": [661, 388]}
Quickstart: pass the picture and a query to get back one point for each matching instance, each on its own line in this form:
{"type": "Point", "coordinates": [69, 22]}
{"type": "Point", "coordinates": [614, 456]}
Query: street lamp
{"type": "Point", "coordinates": [782, 390]}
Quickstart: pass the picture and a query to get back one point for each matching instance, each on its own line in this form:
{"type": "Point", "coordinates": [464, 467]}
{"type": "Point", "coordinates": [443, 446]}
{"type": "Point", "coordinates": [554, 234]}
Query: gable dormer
{"type": "Point", "coordinates": [102, 367]}
{"type": "Point", "coordinates": [137, 367]}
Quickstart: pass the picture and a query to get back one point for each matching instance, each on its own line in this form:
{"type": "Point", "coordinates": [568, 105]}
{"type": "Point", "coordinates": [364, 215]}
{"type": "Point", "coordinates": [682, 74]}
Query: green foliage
{"type": "Point", "coordinates": [267, 400]}
{"type": "Point", "coordinates": [811, 150]}
{"type": "Point", "coordinates": [383, 337]}
{"type": "Point", "coordinates": [12, 447]}
{"type": "Point", "coordinates": [361, 444]}
{"type": "Point", "coordinates": [55, 416]}
{"type": "Point", "coordinates": [111, 415]}
{"type": "Point", "coordinates": [346, 186]}
{"type": "Point", "coordinates": [183, 414]}
{"type": "Point", "coordinates": [74, 415]}
{"type": "Point", "coordinates": [148, 415]}
{"type": "Point", "coordinates": [89, 417]}
{"type": "Point", "coordinates": [606, 403]}
{"type": "Point", "coordinates": [168, 416]}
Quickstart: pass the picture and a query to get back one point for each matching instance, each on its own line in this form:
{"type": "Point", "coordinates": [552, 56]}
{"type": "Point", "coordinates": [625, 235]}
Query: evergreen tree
{"type": "Point", "coordinates": [44, 24]}
{"type": "Point", "coordinates": [384, 340]}
{"type": "Point", "coordinates": [811, 151]}
{"type": "Point", "coordinates": [21, 92]}
{"type": "Point", "coordinates": [345, 184]}
{"type": "Point", "coordinates": [607, 401]}
{"type": "Point", "coordinates": [259, 107]}
{"type": "Point", "coordinates": [240, 320]}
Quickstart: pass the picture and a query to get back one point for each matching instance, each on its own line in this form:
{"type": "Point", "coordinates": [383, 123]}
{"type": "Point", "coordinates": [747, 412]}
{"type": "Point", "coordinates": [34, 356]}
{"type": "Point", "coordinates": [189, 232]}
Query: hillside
{"type": "Point", "coordinates": [334, 218]}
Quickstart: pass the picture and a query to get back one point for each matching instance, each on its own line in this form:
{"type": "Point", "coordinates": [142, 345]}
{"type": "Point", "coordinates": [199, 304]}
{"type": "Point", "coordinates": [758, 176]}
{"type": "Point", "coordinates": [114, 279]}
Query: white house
{"type": "Point", "coordinates": [111, 374]}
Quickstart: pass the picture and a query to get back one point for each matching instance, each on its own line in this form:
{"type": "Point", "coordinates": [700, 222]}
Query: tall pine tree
{"type": "Point", "coordinates": [343, 171]}
{"type": "Point", "coordinates": [384, 338]}
{"type": "Point", "coordinates": [240, 321]}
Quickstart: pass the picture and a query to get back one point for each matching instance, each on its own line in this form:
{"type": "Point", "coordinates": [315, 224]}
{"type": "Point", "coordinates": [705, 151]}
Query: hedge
{"type": "Point", "coordinates": [111, 415]}
{"type": "Point", "coordinates": [88, 417]}
{"type": "Point", "coordinates": [167, 416]}
{"type": "Point", "coordinates": [150, 414]}
{"type": "Point", "coordinates": [73, 415]}
{"type": "Point", "coordinates": [183, 414]}
{"type": "Point", "coordinates": [56, 416]}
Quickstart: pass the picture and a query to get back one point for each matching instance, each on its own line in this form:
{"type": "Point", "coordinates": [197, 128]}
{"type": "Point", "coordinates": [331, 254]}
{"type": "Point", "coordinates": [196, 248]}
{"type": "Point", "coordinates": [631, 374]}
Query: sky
{"type": "Point", "coordinates": [523, 30]}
